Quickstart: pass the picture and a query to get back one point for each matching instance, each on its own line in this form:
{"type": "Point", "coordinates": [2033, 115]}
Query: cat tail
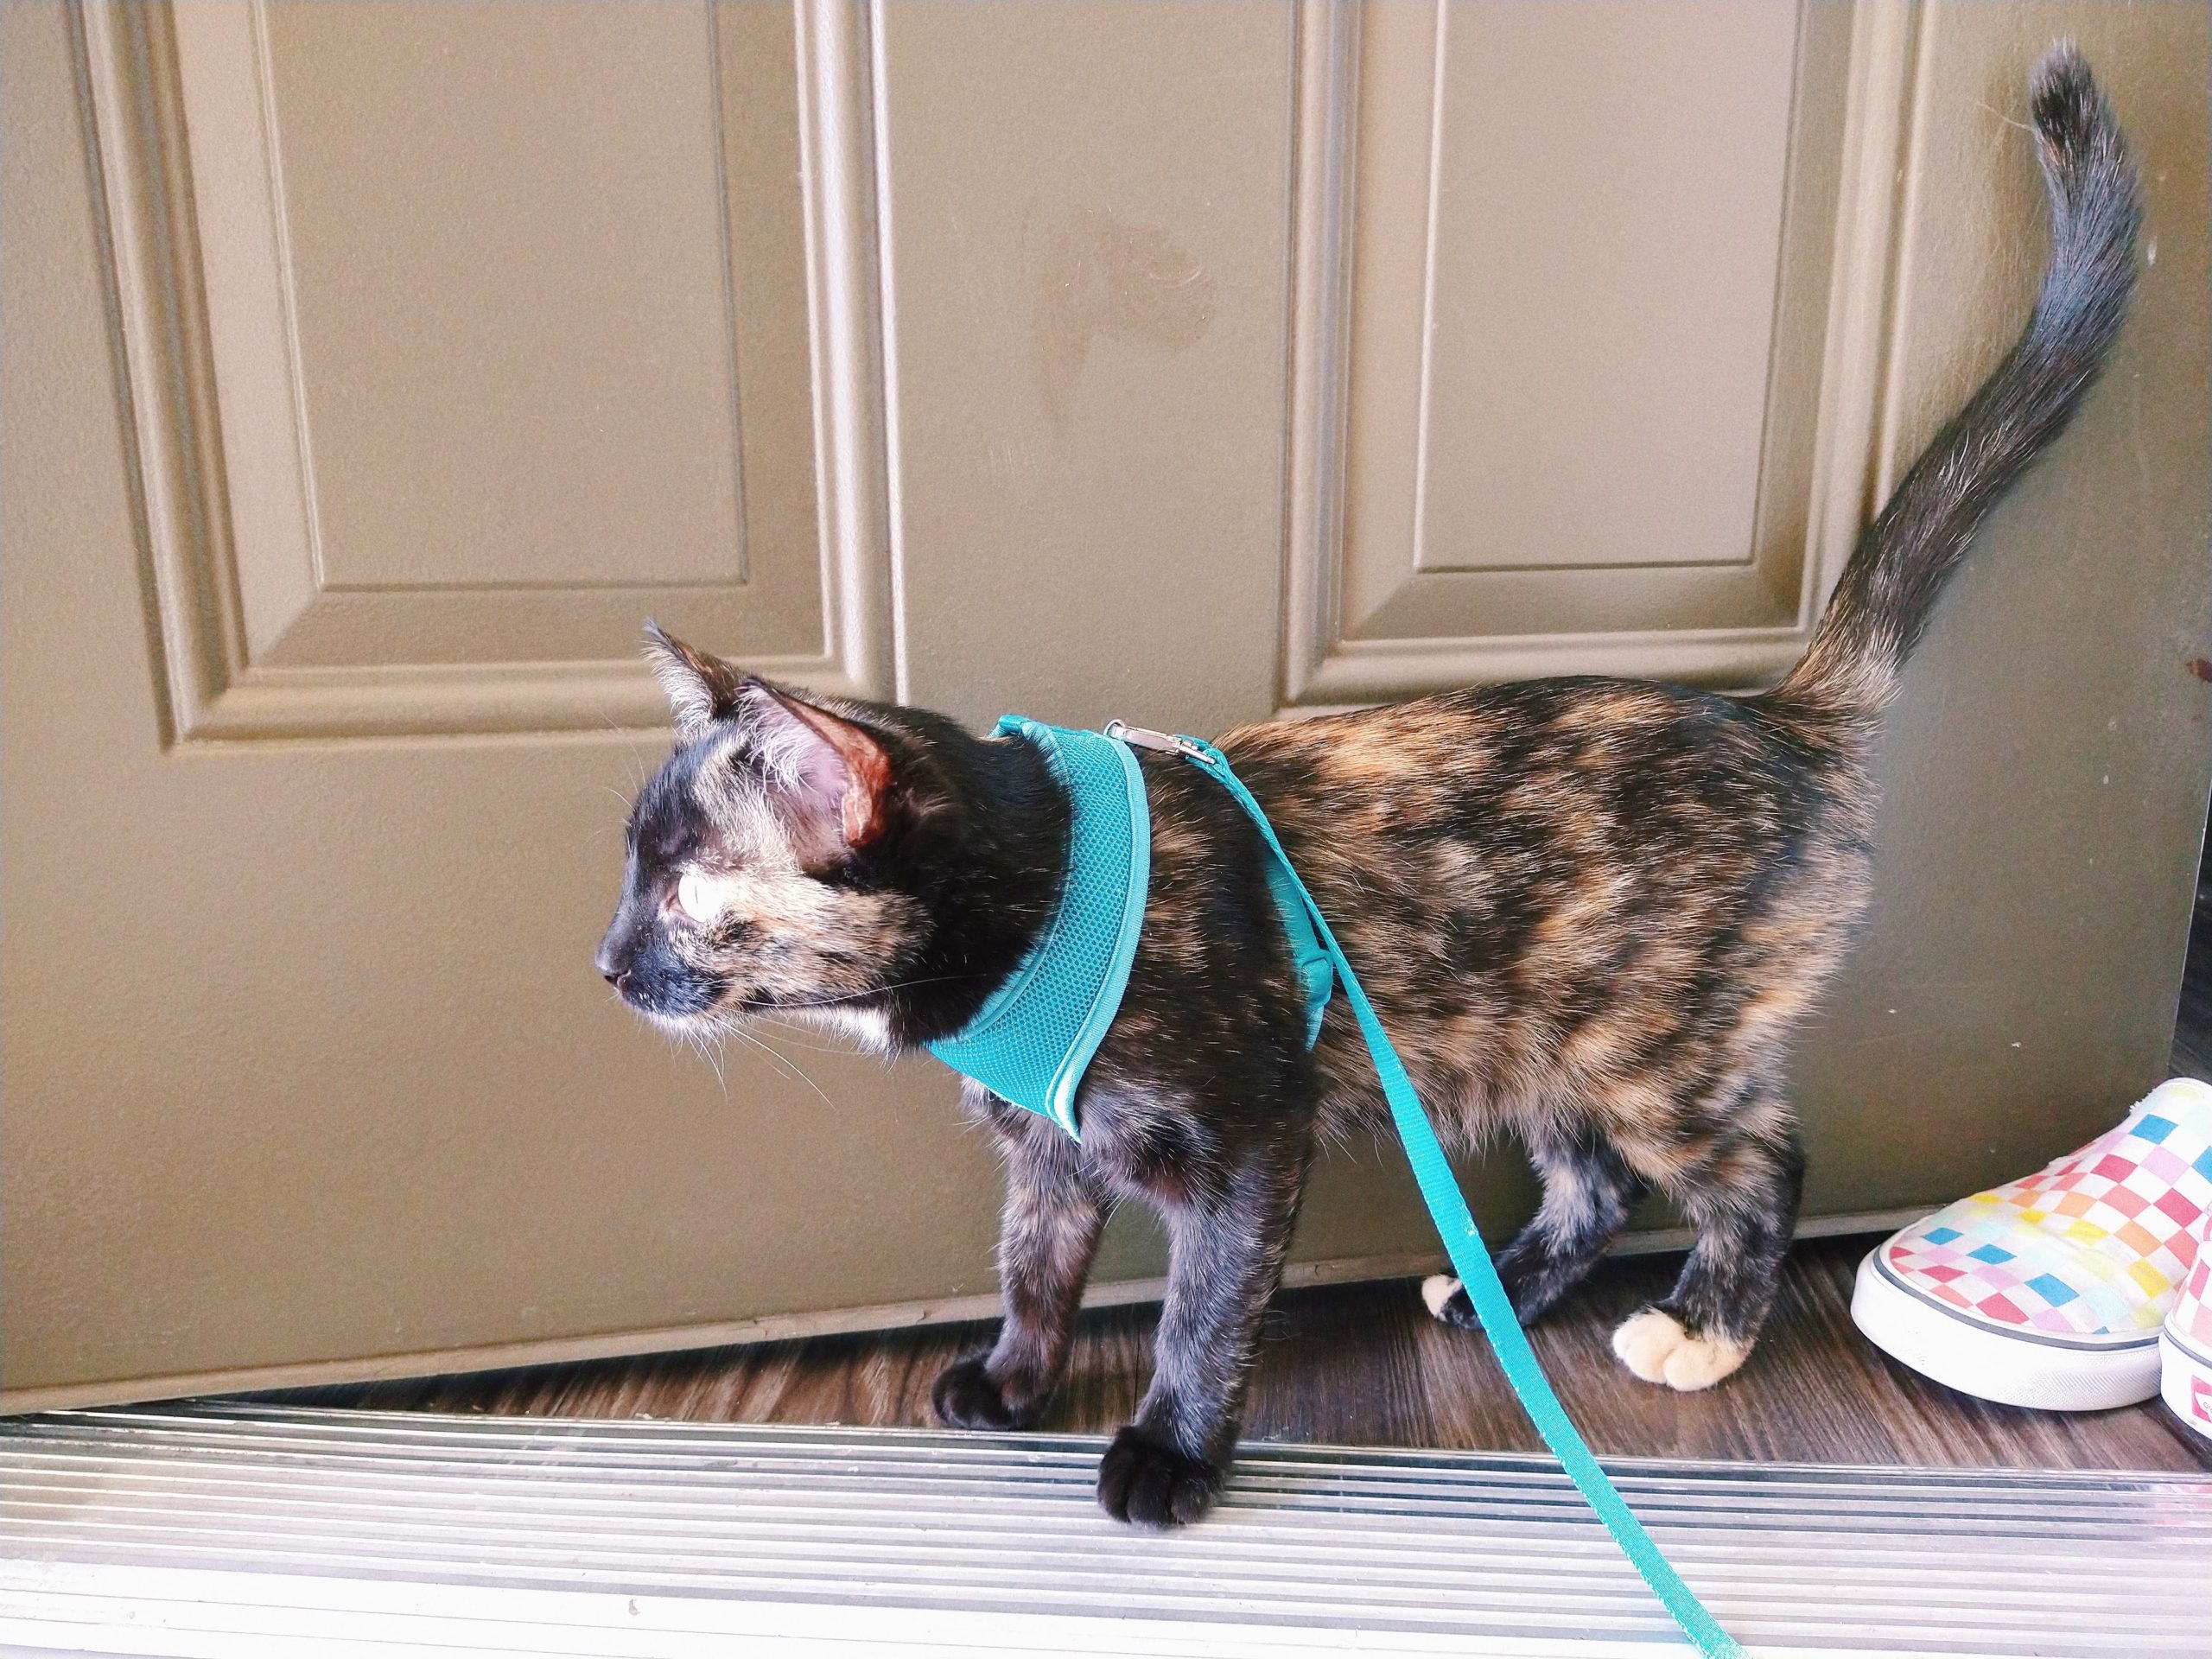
{"type": "Point", "coordinates": [1898, 571]}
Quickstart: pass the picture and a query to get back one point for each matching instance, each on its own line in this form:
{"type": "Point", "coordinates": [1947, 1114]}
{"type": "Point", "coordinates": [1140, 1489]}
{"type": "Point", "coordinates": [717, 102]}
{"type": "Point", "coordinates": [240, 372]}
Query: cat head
{"type": "Point", "coordinates": [758, 877]}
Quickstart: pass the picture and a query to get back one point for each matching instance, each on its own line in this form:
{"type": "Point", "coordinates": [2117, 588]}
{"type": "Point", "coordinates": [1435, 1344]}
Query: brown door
{"type": "Point", "coordinates": [372, 370]}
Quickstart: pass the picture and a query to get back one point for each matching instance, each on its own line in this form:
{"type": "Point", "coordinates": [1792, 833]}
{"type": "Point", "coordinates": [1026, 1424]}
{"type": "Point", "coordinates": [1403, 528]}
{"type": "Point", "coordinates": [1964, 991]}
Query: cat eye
{"type": "Point", "coordinates": [697, 897]}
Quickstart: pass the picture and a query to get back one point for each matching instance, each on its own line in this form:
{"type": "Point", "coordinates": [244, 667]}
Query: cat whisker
{"type": "Point", "coordinates": [781, 1058]}
{"type": "Point", "coordinates": [878, 990]}
{"type": "Point", "coordinates": [640, 766]}
{"type": "Point", "coordinates": [713, 1057]}
{"type": "Point", "coordinates": [793, 1034]}
{"type": "Point", "coordinates": [719, 1027]}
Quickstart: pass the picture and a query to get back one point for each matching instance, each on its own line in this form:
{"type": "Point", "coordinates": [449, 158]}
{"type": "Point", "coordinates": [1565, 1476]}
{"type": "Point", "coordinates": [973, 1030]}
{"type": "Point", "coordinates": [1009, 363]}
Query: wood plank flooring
{"type": "Point", "coordinates": [1364, 1364]}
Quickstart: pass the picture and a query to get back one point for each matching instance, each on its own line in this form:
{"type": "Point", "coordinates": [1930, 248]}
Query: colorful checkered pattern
{"type": "Point", "coordinates": [2186, 1354]}
{"type": "Point", "coordinates": [2191, 1318]}
{"type": "Point", "coordinates": [2094, 1247]}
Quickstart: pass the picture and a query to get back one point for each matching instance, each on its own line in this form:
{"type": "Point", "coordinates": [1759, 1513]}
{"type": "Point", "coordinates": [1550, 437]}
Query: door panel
{"type": "Point", "coordinates": [372, 370]}
{"type": "Point", "coordinates": [1563, 278]}
{"type": "Point", "coordinates": [413, 225]}
{"type": "Point", "coordinates": [1085, 208]}
{"type": "Point", "coordinates": [360, 1098]}
{"type": "Point", "coordinates": [1581, 310]}
{"type": "Point", "coordinates": [490, 337]}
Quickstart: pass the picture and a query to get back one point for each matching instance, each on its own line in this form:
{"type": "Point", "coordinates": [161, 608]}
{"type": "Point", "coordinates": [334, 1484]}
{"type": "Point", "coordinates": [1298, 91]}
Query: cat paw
{"type": "Point", "coordinates": [964, 1397]}
{"type": "Point", "coordinates": [1449, 1302]}
{"type": "Point", "coordinates": [1654, 1346]}
{"type": "Point", "coordinates": [1146, 1483]}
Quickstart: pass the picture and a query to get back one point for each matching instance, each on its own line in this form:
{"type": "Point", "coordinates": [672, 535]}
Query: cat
{"type": "Point", "coordinates": [1589, 910]}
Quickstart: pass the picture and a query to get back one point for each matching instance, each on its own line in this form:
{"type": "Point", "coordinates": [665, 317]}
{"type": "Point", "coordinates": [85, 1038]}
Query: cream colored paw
{"type": "Point", "coordinates": [1436, 1290]}
{"type": "Point", "coordinates": [1654, 1346]}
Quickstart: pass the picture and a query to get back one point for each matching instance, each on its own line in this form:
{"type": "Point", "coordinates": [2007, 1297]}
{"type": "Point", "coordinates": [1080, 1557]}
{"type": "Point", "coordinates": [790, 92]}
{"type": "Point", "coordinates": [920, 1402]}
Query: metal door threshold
{"type": "Point", "coordinates": [241, 1531]}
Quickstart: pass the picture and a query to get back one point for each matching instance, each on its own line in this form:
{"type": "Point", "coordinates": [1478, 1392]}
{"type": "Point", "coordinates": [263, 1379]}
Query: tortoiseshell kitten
{"type": "Point", "coordinates": [1590, 909]}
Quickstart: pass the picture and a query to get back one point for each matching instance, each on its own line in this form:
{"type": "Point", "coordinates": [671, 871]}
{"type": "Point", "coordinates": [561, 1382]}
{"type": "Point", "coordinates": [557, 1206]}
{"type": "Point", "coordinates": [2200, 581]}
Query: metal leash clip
{"type": "Point", "coordinates": [1143, 737]}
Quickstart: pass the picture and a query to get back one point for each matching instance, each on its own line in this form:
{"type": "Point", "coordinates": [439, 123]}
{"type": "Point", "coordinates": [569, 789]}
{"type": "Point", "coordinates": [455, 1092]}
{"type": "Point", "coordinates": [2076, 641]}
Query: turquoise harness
{"type": "Point", "coordinates": [1031, 1043]}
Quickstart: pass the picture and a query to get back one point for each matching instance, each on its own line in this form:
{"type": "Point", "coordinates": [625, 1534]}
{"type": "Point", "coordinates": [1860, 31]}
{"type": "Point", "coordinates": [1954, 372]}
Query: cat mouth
{"type": "Point", "coordinates": [686, 1006]}
{"type": "Point", "coordinates": [717, 1005]}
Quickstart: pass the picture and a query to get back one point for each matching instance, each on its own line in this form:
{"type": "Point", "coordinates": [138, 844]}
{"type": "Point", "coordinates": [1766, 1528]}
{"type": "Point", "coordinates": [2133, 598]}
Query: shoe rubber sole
{"type": "Point", "coordinates": [2185, 1382]}
{"type": "Point", "coordinates": [2012, 1368]}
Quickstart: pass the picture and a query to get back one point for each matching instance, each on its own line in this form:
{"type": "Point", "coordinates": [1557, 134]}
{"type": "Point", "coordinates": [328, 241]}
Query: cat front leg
{"type": "Point", "coordinates": [1225, 1254]}
{"type": "Point", "coordinates": [1048, 1233]}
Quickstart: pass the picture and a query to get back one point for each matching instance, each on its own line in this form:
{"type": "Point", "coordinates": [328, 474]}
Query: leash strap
{"type": "Point", "coordinates": [1464, 1244]}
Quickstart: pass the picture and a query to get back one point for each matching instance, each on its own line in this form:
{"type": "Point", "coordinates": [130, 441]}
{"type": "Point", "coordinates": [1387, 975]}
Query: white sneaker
{"type": "Point", "coordinates": [2185, 1345]}
{"type": "Point", "coordinates": [2050, 1291]}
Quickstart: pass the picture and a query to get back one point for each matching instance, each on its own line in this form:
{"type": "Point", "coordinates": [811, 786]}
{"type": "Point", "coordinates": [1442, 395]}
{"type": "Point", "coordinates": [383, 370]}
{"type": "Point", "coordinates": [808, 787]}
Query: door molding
{"type": "Point", "coordinates": [1814, 485]}
{"type": "Point", "coordinates": [254, 642]}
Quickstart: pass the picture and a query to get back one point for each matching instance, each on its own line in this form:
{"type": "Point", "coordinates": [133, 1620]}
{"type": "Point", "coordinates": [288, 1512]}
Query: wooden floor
{"type": "Point", "coordinates": [1364, 1364]}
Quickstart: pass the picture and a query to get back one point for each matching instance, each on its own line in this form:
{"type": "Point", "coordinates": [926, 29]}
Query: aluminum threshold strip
{"type": "Point", "coordinates": [238, 1531]}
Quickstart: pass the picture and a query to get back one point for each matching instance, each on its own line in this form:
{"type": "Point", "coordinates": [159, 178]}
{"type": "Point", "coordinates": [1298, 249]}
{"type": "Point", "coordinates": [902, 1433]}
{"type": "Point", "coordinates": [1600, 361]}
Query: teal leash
{"type": "Point", "coordinates": [1464, 1244]}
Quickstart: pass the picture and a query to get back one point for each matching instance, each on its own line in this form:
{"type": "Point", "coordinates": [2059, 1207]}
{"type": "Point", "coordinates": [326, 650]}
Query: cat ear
{"type": "Point", "coordinates": [836, 774]}
{"type": "Point", "coordinates": [701, 690]}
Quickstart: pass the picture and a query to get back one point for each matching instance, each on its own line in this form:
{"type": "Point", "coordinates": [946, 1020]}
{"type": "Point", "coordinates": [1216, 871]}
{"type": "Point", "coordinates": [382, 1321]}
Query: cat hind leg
{"type": "Point", "coordinates": [1742, 1202]}
{"type": "Point", "coordinates": [1588, 1193]}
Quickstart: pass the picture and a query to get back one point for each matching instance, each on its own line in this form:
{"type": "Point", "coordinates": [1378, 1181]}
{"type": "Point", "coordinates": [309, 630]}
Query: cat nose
{"type": "Point", "coordinates": [611, 969]}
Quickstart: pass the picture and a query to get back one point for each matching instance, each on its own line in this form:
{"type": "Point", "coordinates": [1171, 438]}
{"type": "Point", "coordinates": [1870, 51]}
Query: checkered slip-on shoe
{"type": "Point", "coordinates": [2051, 1291]}
{"type": "Point", "coordinates": [2185, 1345]}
